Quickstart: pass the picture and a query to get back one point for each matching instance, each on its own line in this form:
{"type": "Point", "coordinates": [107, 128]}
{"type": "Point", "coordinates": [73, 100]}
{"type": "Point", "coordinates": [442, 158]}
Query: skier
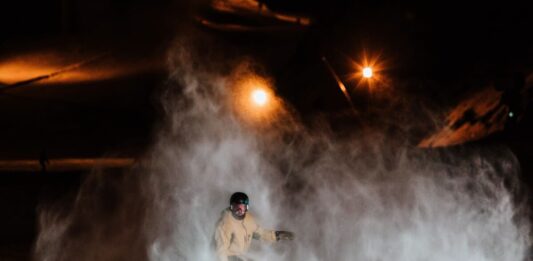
{"type": "Point", "coordinates": [236, 229]}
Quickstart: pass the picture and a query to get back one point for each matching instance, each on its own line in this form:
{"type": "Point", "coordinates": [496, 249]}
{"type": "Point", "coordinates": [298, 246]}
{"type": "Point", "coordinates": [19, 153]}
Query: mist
{"type": "Point", "coordinates": [363, 196]}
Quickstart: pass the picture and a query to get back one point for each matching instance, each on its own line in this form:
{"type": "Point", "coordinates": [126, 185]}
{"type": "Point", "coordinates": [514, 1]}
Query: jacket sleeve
{"type": "Point", "coordinates": [264, 234]}
{"type": "Point", "coordinates": [222, 241]}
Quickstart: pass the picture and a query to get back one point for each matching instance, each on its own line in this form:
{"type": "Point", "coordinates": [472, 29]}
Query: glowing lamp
{"type": "Point", "coordinates": [367, 72]}
{"type": "Point", "coordinates": [259, 97]}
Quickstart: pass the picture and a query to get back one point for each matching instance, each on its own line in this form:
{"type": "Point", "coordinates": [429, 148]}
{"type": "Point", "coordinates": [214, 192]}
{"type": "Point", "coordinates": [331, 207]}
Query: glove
{"type": "Point", "coordinates": [284, 235]}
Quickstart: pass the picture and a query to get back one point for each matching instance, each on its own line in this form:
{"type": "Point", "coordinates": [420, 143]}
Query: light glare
{"type": "Point", "coordinates": [367, 72]}
{"type": "Point", "coordinates": [259, 97]}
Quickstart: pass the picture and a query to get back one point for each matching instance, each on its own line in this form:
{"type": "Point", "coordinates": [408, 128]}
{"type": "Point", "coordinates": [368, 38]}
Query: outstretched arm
{"type": "Point", "coordinates": [264, 234]}
{"type": "Point", "coordinates": [270, 235]}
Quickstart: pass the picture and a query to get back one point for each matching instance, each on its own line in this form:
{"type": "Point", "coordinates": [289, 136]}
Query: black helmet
{"type": "Point", "coordinates": [239, 198]}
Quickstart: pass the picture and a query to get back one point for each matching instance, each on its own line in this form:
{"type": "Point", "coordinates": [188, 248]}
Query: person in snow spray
{"type": "Point", "coordinates": [237, 227]}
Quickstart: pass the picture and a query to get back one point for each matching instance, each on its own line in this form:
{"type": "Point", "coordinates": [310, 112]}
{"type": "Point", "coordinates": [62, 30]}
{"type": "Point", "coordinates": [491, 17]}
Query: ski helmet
{"type": "Point", "coordinates": [239, 198]}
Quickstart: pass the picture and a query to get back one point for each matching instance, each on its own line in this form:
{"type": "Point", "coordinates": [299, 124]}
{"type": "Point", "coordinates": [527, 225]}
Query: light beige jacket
{"type": "Point", "coordinates": [233, 237]}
